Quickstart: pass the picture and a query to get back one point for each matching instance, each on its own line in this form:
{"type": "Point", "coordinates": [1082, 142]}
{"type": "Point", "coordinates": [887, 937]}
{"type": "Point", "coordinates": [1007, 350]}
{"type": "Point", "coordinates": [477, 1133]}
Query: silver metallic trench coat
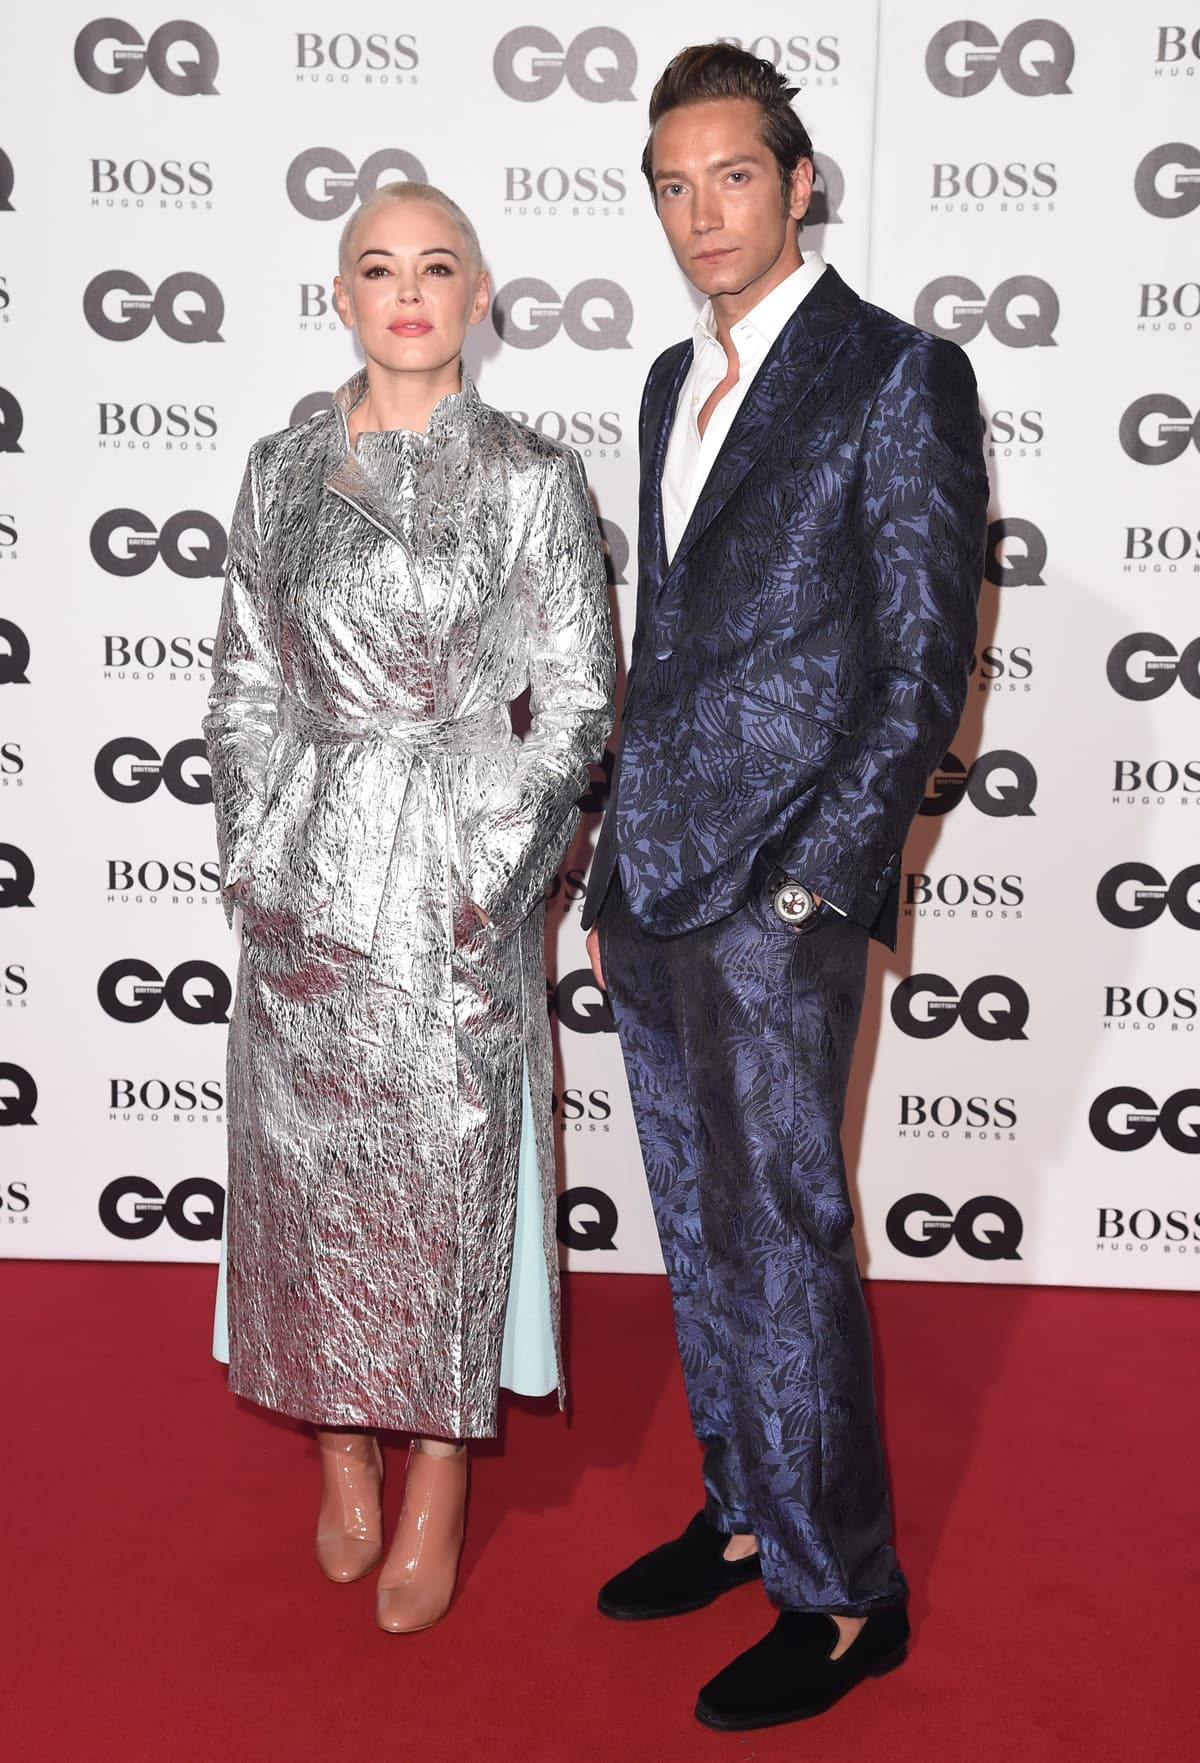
{"type": "Point", "coordinates": [382, 610]}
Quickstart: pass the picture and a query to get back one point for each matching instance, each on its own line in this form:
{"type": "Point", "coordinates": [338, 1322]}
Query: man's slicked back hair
{"type": "Point", "coordinates": [709, 71]}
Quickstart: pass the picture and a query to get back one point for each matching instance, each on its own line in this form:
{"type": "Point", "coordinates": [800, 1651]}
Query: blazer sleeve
{"type": "Point", "coordinates": [924, 500]}
{"type": "Point", "coordinates": [518, 841]}
{"type": "Point", "coordinates": [243, 705]}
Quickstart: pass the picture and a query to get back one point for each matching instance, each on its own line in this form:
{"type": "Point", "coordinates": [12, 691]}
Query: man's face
{"type": "Point", "coordinates": [720, 203]}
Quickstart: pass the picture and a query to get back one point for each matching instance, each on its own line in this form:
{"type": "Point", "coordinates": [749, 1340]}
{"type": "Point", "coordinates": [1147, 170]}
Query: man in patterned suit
{"type": "Point", "coordinates": [813, 511]}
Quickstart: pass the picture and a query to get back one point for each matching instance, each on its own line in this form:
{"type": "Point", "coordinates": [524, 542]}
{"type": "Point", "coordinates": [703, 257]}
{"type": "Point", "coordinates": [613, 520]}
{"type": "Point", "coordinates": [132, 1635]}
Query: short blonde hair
{"type": "Point", "coordinates": [409, 192]}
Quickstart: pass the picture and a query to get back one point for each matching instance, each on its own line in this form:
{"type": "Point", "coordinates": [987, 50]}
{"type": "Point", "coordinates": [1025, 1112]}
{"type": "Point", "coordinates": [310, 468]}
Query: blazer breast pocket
{"type": "Point", "coordinates": [805, 741]}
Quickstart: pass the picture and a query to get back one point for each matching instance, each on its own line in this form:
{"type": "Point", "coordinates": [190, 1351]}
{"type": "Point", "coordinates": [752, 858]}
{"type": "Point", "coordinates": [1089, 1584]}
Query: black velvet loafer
{"type": "Point", "coordinates": [679, 1576]}
{"type": "Point", "coordinates": [788, 1675]}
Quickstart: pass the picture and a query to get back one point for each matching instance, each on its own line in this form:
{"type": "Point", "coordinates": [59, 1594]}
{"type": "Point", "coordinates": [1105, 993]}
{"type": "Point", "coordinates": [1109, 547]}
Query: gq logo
{"type": "Point", "coordinates": [993, 1008]}
{"type": "Point", "coordinates": [17, 1105]}
{"type": "Point", "coordinates": [580, 1004]}
{"type": "Point", "coordinates": [971, 310]}
{"type": "Point", "coordinates": [528, 313]}
{"type": "Point", "coordinates": [12, 421]}
{"type": "Point", "coordinates": [1175, 429]}
{"type": "Point", "coordinates": [596, 1228]}
{"type": "Point", "coordinates": [184, 771]}
{"type": "Point", "coordinates": [1143, 1119]}
{"type": "Point", "coordinates": [7, 179]}
{"type": "Point", "coordinates": [986, 1228]}
{"type": "Point", "coordinates": [149, 992]}
{"type": "Point", "coordinates": [530, 64]}
{"type": "Point", "coordinates": [1012, 791]}
{"type": "Point", "coordinates": [127, 56]}
{"type": "Point", "coordinates": [194, 1209]}
{"type": "Point", "coordinates": [829, 192]}
{"type": "Point", "coordinates": [342, 185]}
{"type": "Point", "coordinates": [16, 877]}
{"type": "Point", "coordinates": [14, 654]}
{"type": "Point", "coordinates": [1159, 672]}
{"type": "Point", "coordinates": [315, 404]}
{"type": "Point", "coordinates": [139, 308]}
{"type": "Point", "coordinates": [983, 55]}
{"type": "Point", "coordinates": [1183, 193]}
{"type": "Point", "coordinates": [616, 551]}
{"type": "Point", "coordinates": [1151, 896]}
{"type": "Point", "coordinates": [1018, 568]}
{"type": "Point", "coordinates": [194, 559]}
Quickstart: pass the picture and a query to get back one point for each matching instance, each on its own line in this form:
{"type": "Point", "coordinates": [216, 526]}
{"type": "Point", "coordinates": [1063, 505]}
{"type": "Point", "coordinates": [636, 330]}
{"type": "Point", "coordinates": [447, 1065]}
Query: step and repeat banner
{"type": "Point", "coordinates": [1027, 1096]}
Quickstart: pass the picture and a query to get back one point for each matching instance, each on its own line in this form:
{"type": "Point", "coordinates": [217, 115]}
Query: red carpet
{"type": "Point", "coordinates": [161, 1603]}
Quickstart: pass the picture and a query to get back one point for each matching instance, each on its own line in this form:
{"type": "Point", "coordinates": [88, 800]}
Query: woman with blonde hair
{"type": "Point", "coordinates": [401, 568]}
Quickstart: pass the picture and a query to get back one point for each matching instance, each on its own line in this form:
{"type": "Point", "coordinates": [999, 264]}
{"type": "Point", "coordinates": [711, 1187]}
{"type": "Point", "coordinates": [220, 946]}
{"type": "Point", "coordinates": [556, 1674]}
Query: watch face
{"type": "Point", "coordinates": [793, 903]}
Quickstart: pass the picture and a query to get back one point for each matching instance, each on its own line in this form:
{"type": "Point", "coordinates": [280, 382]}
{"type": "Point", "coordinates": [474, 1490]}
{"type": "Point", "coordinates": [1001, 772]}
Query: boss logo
{"type": "Point", "coordinates": [153, 877]}
{"type": "Point", "coordinates": [1015, 555]}
{"type": "Point", "coordinates": [138, 308]}
{"type": "Point", "coordinates": [583, 429]}
{"type": "Point", "coordinates": [1159, 777]}
{"type": "Point", "coordinates": [986, 1228]}
{"type": "Point", "coordinates": [12, 422]}
{"type": "Point", "coordinates": [1015, 434]}
{"type": "Point", "coordinates": [1128, 1119]}
{"type": "Point", "coordinates": [597, 314]}
{"type": "Point", "coordinates": [12, 763]}
{"type": "Point", "coordinates": [1035, 59]}
{"type": "Point", "coordinates": [975, 1114]}
{"type": "Point", "coordinates": [580, 1004]}
{"type": "Point", "coordinates": [1133, 895]}
{"type": "Point", "coordinates": [342, 185]}
{"type": "Point", "coordinates": [998, 784]}
{"type": "Point", "coordinates": [1170, 546]}
{"type": "Point", "coordinates": [14, 654]}
{"type": "Point", "coordinates": [141, 177]}
{"type": "Point", "coordinates": [1158, 300]}
{"type": "Point", "coordinates": [154, 1096]}
{"type": "Point", "coordinates": [144, 657]}
{"type": "Point", "coordinates": [954, 891]}
{"type": "Point", "coordinates": [111, 56]}
{"type": "Point", "coordinates": [130, 770]}
{"type": "Point", "coordinates": [828, 193]}
{"type": "Point", "coordinates": [8, 534]}
{"type": "Point", "coordinates": [954, 306]}
{"type": "Point", "coordinates": [1145, 1225]}
{"type": "Point", "coordinates": [316, 404]}
{"type": "Point", "coordinates": [554, 184]}
{"type": "Point", "coordinates": [599, 64]}
{"type": "Point", "coordinates": [983, 182]}
{"type": "Point", "coordinates": [191, 543]}
{"type": "Point", "coordinates": [999, 668]}
{"type": "Point", "coordinates": [993, 1008]}
{"type": "Point", "coordinates": [1156, 674]}
{"type": "Point", "coordinates": [820, 55]}
{"type": "Point", "coordinates": [196, 992]}
{"type": "Point", "coordinates": [316, 302]}
{"type": "Point", "coordinates": [567, 885]}
{"type": "Point", "coordinates": [1173, 429]}
{"type": "Point", "coordinates": [346, 54]}
{"type": "Point", "coordinates": [1150, 1005]}
{"type": "Point", "coordinates": [7, 179]}
{"type": "Point", "coordinates": [16, 877]}
{"type": "Point", "coordinates": [14, 985]}
{"type": "Point", "coordinates": [1167, 182]}
{"type": "Point", "coordinates": [616, 551]}
{"type": "Point", "coordinates": [587, 1219]}
{"type": "Point", "coordinates": [18, 1096]}
{"type": "Point", "coordinates": [132, 1207]}
{"type": "Point", "coordinates": [582, 1111]}
{"type": "Point", "coordinates": [1174, 46]}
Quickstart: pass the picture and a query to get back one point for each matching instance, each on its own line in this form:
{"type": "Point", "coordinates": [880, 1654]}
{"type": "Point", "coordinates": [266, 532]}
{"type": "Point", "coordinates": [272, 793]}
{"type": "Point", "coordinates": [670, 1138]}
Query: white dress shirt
{"type": "Point", "coordinates": [690, 455]}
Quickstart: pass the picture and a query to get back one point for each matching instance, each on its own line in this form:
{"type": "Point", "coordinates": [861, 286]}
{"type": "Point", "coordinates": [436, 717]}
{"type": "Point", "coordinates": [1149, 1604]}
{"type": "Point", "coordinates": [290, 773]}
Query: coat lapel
{"type": "Point", "coordinates": [662, 398]}
{"type": "Point", "coordinates": [800, 356]}
{"type": "Point", "coordinates": [348, 479]}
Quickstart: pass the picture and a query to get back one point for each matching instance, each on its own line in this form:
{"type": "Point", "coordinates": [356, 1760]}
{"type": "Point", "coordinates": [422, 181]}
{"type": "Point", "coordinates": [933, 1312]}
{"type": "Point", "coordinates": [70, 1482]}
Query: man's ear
{"type": "Point", "coordinates": [802, 188]}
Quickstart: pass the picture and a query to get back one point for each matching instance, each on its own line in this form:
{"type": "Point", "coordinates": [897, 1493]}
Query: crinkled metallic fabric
{"type": "Point", "coordinates": [383, 608]}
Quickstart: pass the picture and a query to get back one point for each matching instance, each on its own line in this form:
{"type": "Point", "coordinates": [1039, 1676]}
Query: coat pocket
{"type": "Point", "coordinates": [781, 730]}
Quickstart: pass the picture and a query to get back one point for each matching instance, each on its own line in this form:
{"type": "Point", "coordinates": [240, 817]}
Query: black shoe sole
{"type": "Point", "coordinates": [720, 1723]}
{"type": "Point", "coordinates": [629, 1613]}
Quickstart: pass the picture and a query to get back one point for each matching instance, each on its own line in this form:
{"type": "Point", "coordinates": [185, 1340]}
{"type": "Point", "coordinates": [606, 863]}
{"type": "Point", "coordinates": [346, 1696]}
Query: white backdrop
{"type": "Point", "coordinates": [170, 198]}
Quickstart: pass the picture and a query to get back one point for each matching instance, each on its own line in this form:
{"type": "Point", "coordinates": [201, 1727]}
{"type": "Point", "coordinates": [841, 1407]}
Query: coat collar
{"type": "Point", "coordinates": [802, 352]}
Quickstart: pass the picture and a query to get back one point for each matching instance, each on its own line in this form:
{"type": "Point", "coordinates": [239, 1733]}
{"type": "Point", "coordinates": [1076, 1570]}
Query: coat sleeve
{"type": "Point", "coordinates": [924, 499]}
{"type": "Point", "coordinates": [243, 705]}
{"type": "Point", "coordinates": [516, 844]}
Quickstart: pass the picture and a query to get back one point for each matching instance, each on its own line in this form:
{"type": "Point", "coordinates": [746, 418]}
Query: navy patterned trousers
{"type": "Point", "coordinates": [737, 1041]}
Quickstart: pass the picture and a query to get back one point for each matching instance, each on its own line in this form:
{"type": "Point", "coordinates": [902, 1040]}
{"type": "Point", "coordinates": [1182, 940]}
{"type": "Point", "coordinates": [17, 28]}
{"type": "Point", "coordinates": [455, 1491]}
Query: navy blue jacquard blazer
{"type": "Point", "coordinates": [800, 666]}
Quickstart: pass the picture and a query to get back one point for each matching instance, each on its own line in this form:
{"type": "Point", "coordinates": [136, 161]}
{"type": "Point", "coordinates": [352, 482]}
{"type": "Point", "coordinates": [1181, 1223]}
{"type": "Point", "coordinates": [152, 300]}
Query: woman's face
{"type": "Point", "coordinates": [411, 287]}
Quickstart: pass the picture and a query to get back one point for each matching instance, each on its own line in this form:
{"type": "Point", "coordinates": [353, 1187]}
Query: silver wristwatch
{"type": "Point", "coordinates": [793, 903]}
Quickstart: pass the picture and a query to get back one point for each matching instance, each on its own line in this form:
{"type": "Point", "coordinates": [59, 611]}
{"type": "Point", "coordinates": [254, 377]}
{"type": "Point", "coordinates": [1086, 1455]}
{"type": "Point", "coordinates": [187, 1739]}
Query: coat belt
{"type": "Point", "coordinates": [478, 731]}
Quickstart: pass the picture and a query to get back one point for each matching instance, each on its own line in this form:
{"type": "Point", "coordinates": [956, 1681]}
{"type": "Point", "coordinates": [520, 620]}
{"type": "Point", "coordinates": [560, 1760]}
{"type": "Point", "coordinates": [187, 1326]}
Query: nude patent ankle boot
{"type": "Point", "coordinates": [418, 1578]}
{"type": "Point", "coordinates": [350, 1521]}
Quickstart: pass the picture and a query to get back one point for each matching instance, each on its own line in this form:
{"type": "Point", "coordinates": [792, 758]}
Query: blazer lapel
{"type": "Point", "coordinates": [799, 357]}
{"type": "Point", "coordinates": [660, 413]}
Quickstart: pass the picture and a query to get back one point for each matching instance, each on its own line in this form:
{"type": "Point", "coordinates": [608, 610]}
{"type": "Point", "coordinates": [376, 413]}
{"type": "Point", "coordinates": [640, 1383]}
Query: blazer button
{"type": "Point", "coordinates": [663, 654]}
